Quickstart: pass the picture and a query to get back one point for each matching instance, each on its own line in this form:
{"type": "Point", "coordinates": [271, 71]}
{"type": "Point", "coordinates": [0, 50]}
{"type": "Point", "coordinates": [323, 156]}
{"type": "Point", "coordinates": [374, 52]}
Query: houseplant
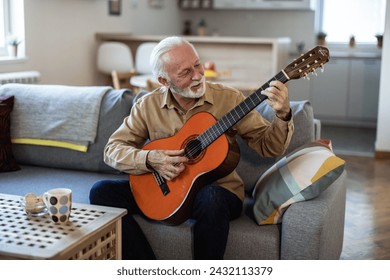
{"type": "Point", "coordinates": [321, 38]}
{"type": "Point", "coordinates": [13, 43]}
{"type": "Point", "coordinates": [202, 27]}
{"type": "Point", "coordinates": [379, 38]}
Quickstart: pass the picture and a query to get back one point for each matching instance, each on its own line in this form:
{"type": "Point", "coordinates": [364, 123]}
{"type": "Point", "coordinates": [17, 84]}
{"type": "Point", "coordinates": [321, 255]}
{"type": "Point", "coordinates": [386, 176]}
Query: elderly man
{"type": "Point", "coordinates": [184, 92]}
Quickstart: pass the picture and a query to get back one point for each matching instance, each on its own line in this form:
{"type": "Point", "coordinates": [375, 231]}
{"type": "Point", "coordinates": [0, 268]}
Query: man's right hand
{"type": "Point", "coordinates": [168, 163]}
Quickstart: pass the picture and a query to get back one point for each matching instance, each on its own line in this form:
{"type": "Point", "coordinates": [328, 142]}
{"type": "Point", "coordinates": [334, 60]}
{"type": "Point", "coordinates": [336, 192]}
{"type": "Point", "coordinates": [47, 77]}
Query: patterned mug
{"type": "Point", "coordinates": [59, 204]}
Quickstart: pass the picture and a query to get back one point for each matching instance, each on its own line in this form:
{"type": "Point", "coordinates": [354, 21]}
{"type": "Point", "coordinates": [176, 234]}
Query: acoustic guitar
{"type": "Point", "coordinates": [210, 154]}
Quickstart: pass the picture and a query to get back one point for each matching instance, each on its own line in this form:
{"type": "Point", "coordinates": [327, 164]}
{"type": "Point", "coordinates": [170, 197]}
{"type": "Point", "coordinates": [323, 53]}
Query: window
{"type": "Point", "coordinates": [362, 19]}
{"type": "Point", "coordinates": [3, 49]}
{"type": "Point", "coordinates": [11, 24]}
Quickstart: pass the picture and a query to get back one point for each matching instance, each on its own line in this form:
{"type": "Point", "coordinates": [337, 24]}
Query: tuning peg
{"type": "Point", "coordinates": [314, 72]}
{"type": "Point", "coordinates": [306, 76]}
{"type": "Point", "coordinates": [322, 67]}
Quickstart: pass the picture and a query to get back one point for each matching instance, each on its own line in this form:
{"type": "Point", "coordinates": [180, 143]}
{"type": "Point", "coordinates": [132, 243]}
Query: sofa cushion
{"type": "Point", "coordinates": [252, 165]}
{"type": "Point", "coordinates": [115, 106]}
{"type": "Point", "coordinates": [7, 160]}
{"type": "Point", "coordinates": [301, 175]}
{"type": "Point", "coordinates": [37, 179]}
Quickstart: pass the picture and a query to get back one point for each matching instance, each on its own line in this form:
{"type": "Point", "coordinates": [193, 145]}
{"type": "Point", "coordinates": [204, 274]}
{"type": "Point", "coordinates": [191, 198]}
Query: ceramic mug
{"type": "Point", "coordinates": [58, 203]}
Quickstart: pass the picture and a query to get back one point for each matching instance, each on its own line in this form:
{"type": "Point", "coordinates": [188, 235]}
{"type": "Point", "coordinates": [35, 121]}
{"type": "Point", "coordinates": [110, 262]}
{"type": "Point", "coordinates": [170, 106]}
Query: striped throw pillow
{"type": "Point", "coordinates": [301, 175]}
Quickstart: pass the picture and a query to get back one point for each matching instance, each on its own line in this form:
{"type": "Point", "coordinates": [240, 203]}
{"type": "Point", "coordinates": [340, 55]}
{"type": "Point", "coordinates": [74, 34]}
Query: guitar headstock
{"type": "Point", "coordinates": [307, 63]}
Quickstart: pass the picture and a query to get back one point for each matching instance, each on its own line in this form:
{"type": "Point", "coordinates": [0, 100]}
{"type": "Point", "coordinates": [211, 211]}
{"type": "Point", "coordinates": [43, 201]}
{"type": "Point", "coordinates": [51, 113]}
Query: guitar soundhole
{"type": "Point", "coordinates": [193, 149]}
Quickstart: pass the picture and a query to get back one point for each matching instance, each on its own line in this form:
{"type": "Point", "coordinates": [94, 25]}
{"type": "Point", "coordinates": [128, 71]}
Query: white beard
{"type": "Point", "coordinates": [187, 92]}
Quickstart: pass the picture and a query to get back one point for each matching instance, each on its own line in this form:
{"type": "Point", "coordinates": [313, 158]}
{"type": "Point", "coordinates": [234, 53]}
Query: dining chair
{"type": "Point", "coordinates": [114, 56]}
{"type": "Point", "coordinates": [122, 79]}
{"type": "Point", "coordinates": [142, 65]}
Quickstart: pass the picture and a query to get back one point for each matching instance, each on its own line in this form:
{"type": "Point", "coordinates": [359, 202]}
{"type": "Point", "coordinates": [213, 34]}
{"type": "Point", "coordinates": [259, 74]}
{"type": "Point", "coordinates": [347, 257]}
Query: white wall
{"type": "Point", "coordinates": [383, 127]}
{"type": "Point", "coordinates": [60, 34]}
{"type": "Point", "coordinates": [298, 25]}
{"type": "Point", "coordinates": [60, 38]}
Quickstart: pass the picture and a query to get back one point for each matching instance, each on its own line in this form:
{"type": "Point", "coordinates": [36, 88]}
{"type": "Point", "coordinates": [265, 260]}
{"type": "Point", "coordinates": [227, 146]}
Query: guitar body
{"type": "Point", "coordinates": [216, 161]}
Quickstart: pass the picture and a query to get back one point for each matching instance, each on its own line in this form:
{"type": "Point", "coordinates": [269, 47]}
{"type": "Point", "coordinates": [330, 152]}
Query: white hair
{"type": "Point", "coordinates": [156, 58]}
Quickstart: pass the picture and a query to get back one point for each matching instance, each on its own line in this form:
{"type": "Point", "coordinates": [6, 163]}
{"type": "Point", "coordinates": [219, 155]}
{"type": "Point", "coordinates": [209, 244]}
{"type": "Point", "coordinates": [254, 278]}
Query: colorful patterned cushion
{"type": "Point", "coordinates": [301, 175]}
{"type": "Point", "coordinates": [251, 164]}
{"type": "Point", "coordinates": [7, 160]}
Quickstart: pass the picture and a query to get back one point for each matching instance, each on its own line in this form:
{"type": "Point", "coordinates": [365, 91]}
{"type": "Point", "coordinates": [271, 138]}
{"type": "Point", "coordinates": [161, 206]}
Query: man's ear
{"type": "Point", "coordinates": [163, 81]}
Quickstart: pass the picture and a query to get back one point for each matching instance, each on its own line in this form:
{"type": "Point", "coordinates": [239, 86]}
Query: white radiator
{"type": "Point", "coordinates": [24, 77]}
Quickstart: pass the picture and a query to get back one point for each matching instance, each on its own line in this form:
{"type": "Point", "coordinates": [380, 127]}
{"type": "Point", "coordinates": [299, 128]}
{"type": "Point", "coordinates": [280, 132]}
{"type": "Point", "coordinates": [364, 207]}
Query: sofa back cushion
{"type": "Point", "coordinates": [252, 165]}
{"type": "Point", "coordinates": [115, 106]}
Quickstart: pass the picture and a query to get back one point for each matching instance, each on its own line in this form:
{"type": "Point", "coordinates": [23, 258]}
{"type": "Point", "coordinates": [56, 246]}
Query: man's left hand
{"type": "Point", "coordinates": [278, 99]}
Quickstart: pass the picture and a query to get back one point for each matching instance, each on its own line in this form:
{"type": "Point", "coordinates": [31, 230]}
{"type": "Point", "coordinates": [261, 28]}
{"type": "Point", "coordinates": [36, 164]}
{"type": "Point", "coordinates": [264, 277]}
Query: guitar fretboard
{"type": "Point", "coordinates": [237, 113]}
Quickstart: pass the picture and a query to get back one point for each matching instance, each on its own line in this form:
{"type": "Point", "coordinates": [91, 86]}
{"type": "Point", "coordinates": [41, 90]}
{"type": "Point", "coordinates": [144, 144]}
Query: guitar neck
{"type": "Point", "coordinates": [237, 113]}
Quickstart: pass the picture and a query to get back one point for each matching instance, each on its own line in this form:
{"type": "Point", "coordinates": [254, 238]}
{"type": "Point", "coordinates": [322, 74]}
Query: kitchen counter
{"type": "Point", "coordinates": [350, 53]}
{"type": "Point", "coordinates": [358, 54]}
{"type": "Point", "coordinates": [194, 39]}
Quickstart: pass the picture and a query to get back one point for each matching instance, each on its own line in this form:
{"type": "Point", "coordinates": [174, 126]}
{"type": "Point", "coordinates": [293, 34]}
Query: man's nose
{"type": "Point", "coordinates": [198, 74]}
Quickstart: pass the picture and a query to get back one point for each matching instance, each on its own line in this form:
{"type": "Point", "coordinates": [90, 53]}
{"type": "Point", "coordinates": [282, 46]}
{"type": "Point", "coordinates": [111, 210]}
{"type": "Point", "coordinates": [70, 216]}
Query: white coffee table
{"type": "Point", "coordinates": [93, 232]}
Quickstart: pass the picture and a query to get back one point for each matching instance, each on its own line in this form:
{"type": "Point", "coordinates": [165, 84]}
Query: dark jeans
{"type": "Point", "coordinates": [213, 209]}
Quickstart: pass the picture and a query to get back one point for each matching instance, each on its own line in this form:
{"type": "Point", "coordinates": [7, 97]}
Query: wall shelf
{"type": "Point", "coordinates": [195, 4]}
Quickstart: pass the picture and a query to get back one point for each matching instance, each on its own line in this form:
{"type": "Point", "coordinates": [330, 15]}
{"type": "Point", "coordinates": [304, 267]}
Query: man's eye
{"type": "Point", "coordinates": [184, 73]}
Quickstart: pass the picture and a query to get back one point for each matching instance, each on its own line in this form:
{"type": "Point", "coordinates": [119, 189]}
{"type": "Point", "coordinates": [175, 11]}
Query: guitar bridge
{"type": "Point", "coordinates": [161, 183]}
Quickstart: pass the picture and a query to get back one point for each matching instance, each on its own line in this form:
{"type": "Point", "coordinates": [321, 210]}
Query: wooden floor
{"type": "Point", "coordinates": [351, 140]}
{"type": "Point", "coordinates": [367, 218]}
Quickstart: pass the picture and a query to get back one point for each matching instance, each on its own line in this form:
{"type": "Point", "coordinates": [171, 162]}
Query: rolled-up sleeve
{"type": "Point", "coordinates": [123, 149]}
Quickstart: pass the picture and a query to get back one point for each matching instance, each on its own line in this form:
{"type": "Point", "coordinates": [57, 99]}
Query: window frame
{"type": "Point", "coordinates": [13, 21]}
{"type": "Point", "coordinates": [6, 25]}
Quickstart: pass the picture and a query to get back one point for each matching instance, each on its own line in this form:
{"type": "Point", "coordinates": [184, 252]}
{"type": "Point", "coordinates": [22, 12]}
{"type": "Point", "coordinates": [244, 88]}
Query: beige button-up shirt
{"type": "Point", "coordinates": [157, 115]}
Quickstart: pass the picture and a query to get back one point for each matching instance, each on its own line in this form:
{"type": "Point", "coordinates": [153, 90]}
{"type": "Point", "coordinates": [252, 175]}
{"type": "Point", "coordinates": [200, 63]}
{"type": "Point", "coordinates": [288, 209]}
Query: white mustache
{"type": "Point", "coordinates": [197, 83]}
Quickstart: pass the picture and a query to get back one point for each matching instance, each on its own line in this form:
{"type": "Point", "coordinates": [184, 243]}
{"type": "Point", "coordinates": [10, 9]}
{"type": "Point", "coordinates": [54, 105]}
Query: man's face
{"type": "Point", "coordinates": [185, 72]}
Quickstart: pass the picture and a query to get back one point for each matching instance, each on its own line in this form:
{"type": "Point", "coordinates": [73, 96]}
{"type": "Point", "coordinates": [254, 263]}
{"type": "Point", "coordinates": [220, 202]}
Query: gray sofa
{"type": "Point", "coordinates": [310, 230]}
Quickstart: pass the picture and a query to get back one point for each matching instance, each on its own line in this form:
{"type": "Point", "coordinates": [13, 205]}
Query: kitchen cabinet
{"type": "Point", "coordinates": [364, 88]}
{"type": "Point", "coordinates": [345, 93]}
{"type": "Point", "coordinates": [265, 4]}
{"type": "Point", "coordinates": [329, 92]}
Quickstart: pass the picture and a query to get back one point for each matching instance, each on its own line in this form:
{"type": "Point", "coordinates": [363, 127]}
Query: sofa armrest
{"type": "Point", "coordinates": [317, 129]}
{"type": "Point", "coordinates": [314, 229]}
